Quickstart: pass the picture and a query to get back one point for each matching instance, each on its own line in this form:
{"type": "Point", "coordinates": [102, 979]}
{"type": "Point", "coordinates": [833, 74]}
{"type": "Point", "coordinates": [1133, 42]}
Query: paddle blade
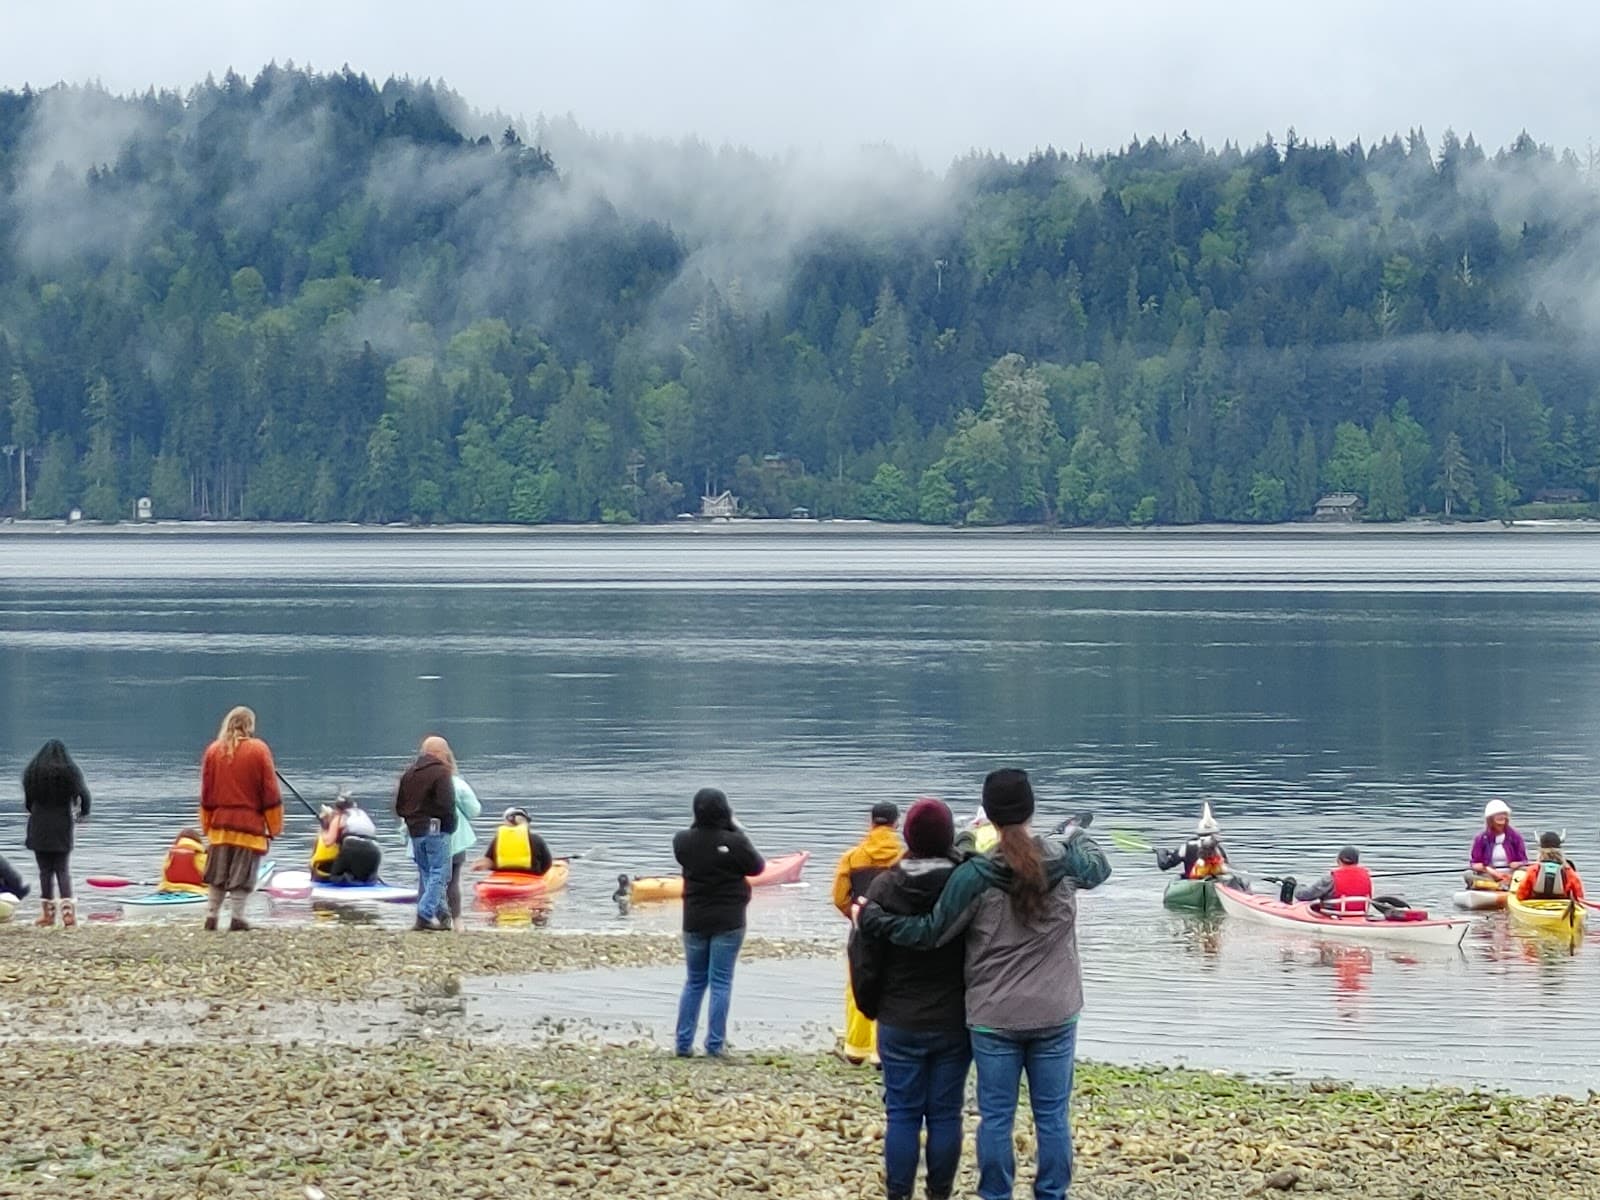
{"type": "Point", "coordinates": [113, 881]}
{"type": "Point", "coordinates": [1123, 840]}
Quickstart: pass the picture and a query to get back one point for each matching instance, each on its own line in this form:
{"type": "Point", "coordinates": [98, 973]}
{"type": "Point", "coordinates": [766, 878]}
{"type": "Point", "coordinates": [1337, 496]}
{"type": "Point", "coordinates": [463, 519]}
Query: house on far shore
{"type": "Point", "coordinates": [1561, 496]}
{"type": "Point", "coordinates": [1338, 506]}
{"type": "Point", "coordinates": [723, 506]}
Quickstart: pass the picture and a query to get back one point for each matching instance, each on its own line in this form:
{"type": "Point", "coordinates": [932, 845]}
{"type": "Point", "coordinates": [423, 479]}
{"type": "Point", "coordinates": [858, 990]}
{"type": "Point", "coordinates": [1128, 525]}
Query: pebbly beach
{"type": "Point", "coordinates": [138, 1048]}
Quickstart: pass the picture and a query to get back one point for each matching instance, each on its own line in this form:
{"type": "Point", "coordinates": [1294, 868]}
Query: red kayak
{"type": "Point", "coordinates": [521, 885]}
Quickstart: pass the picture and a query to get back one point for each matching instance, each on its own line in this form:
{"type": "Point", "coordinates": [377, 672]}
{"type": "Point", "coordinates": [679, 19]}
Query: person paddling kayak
{"type": "Point", "coordinates": [1552, 877]}
{"type": "Point", "coordinates": [1202, 856]}
{"type": "Point", "coordinates": [516, 847]}
{"type": "Point", "coordinates": [184, 868]}
{"type": "Point", "coordinates": [1497, 850]}
{"type": "Point", "coordinates": [1345, 891]}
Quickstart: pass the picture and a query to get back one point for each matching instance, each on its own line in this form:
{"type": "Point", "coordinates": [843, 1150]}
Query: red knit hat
{"type": "Point", "coordinates": [930, 830]}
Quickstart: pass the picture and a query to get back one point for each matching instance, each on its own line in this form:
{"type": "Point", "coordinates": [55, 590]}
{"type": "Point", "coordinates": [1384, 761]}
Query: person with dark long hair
{"type": "Point", "coordinates": [1018, 907]}
{"type": "Point", "coordinates": [56, 797]}
{"type": "Point", "coordinates": [717, 860]}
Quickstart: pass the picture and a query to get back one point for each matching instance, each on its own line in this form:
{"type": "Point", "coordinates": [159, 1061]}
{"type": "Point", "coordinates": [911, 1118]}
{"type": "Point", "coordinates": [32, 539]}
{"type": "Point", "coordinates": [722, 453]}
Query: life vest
{"type": "Point", "coordinates": [184, 868]}
{"type": "Point", "coordinates": [1212, 864]}
{"type": "Point", "coordinates": [1549, 881]}
{"type": "Point", "coordinates": [513, 848]}
{"type": "Point", "coordinates": [326, 848]}
{"type": "Point", "coordinates": [1352, 889]}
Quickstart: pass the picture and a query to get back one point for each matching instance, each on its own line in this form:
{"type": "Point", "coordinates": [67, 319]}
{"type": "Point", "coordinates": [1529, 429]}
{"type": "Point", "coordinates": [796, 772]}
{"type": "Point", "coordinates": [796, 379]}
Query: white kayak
{"type": "Point", "coordinates": [298, 885]}
{"type": "Point", "coordinates": [1478, 899]}
{"type": "Point", "coordinates": [1302, 918]}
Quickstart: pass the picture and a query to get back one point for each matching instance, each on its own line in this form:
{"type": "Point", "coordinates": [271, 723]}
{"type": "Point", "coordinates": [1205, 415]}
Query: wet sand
{"type": "Point", "coordinates": [158, 1062]}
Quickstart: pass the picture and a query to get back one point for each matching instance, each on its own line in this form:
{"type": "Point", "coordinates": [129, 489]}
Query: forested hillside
{"type": "Point", "coordinates": [310, 296]}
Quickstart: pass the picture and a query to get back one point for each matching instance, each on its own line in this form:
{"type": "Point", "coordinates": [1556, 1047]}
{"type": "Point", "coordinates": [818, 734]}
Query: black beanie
{"type": "Point", "coordinates": [1350, 856]}
{"type": "Point", "coordinates": [885, 812]}
{"type": "Point", "coordinates": [1008, 796]}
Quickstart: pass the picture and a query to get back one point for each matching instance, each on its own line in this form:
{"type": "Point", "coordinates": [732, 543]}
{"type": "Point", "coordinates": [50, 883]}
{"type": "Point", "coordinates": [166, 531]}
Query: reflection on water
{"type": "Point", "coordinates": [1318, 690]}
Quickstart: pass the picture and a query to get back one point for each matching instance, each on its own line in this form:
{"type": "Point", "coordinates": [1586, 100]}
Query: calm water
{"type": "Point", "coordinates": [1318, 690]}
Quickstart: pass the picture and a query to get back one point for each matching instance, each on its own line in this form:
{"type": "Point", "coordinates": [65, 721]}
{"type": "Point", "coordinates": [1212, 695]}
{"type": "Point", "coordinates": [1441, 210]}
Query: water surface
{"type": "Point", "coordinates": [1318, 690]}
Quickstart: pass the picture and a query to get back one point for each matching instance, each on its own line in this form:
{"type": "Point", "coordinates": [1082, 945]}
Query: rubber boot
{"type": "Point", "coordinates": [47, 914]}
{"type": "Point", "coordinates": [69, 914]}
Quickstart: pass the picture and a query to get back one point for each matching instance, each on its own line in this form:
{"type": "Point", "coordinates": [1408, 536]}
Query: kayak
{"type": "Point", "coordinates": [1300, 916]}
{"type": "Point", "coordinates": [174, 897]}
{"type": "Point", "coordinates": [1192, 895]}
{"type": "Point", "coordinates": [520, 885]}
{"type": "Point", "coordinates": [1479, 897]}
{"type": "Point", "coordinates": [785, 868]}
{"type": "Point", "coordinates": [298, 885]}
{"type": "Point", "coordinates": [1551, 916]}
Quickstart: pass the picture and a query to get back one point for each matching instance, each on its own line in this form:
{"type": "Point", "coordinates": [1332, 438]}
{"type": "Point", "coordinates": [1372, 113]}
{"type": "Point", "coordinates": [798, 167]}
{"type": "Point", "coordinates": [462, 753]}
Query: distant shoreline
{"type": "Point", "coordinates": [782, 527]}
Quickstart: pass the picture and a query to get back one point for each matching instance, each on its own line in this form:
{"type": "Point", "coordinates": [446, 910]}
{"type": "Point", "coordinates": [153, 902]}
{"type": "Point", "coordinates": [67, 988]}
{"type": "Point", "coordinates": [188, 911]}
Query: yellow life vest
{"type": "Point", "coordinates": [325, 851]}
{"type": "Point", "coordinates": [513, 848]}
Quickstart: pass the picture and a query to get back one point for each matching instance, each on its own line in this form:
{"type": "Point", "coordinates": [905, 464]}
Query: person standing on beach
{"type": "Point", "coordinates": [463, 839]}
{"type": "Point", "coordinates": [858, 866]}
{"type": "Point", "coordinates": [1018, 907]}
{"type": "Point", "coordinates": [717, 859]}
{"type": "Point", "coordinates": [241, 811]}
{"type": "Point", "coordinates": [918, 998]}
{"type": "Point", "coordinates": [56, 798]}
{"type": "Point", "coordinates": [426, 801]}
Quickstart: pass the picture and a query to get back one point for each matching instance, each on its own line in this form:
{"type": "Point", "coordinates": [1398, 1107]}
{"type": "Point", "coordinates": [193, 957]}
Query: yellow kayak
{"type": "Point", "coordinates": [1553, 916]}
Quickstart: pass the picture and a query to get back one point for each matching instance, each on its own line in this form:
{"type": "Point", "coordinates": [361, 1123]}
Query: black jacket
{"type": "Point", "coordinates": [716, 857]}
{"type": "Point", "coordinates": [910, 989]}
{"type": "Point", "coordinates": [50, 798]}
{"type": "Point", "coordinates": [427, 792]}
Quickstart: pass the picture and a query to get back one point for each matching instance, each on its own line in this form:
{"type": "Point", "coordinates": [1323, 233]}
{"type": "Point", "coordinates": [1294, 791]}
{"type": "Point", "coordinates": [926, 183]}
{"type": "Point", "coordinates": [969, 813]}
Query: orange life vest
{"type": "Point", "coordinates": [185, 865]}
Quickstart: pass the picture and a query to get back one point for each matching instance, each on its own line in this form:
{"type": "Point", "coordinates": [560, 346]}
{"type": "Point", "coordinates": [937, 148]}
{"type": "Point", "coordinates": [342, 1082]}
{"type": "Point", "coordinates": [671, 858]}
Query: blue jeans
{"type": "Point", "coordinates": [710, 957]}
{"type": "Point", "coordinates": [924, 1079]}
{"type": "Point", "coordinates": [431, 853]}
{"type": "Point", "coordinates": [1046, 1055]}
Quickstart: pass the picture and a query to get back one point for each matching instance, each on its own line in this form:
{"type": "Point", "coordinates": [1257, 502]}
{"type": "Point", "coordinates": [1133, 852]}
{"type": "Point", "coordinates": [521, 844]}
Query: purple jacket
{"type": "Point", "coordinates": [1483, 847]}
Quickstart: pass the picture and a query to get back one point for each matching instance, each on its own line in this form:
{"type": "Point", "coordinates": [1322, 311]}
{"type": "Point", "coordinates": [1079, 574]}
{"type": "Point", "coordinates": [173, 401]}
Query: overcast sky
{"type": "Point", "coordinates": [935, 78]}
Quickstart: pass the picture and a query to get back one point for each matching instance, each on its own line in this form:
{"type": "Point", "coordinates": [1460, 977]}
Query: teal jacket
{"type": "Point", "coordinates": [1019, 976]}
{"type": "Point", "coordinates": [467, 807]}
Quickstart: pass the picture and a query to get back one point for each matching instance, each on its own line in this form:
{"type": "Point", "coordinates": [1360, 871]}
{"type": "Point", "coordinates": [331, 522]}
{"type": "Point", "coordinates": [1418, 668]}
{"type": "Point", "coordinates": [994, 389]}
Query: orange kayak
{"type": "Point", "coordinates": [521, 885]}
{"type": "Point", "coordinates": [785, 868]}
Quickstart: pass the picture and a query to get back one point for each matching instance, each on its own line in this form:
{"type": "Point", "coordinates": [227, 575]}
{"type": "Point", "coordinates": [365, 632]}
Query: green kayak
{"type": "Point", "coordinates": [1193, 895]}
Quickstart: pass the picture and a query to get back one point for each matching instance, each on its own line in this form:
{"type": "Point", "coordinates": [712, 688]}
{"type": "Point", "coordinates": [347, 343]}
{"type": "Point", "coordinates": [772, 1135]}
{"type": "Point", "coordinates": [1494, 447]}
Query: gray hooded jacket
{"type": "Point", "coordinates": [1019, 976]}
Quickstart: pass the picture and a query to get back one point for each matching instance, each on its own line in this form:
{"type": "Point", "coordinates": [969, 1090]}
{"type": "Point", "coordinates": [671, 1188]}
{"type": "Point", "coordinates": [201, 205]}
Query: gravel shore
{"type": "Point", "coordinates": [425, 1109]}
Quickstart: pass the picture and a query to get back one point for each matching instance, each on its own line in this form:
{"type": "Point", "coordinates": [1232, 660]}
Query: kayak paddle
{"type": "Point", "coordinates": [297, 795]}
{"type": "Point", "coordinates": [1123, 840]}
{"type": "Point", "coordinates": [117, 881]}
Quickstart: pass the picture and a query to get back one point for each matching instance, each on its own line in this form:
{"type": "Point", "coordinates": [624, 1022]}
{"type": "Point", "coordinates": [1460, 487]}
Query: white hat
{"type": "Point", "coordinates": [1496, 808]}
{"type": "Point", "coordinates": [1208, 823]}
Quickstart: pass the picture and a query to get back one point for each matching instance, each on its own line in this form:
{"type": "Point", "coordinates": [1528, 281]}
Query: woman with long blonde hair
{"type": "Point", "coordinates": [241, 811]}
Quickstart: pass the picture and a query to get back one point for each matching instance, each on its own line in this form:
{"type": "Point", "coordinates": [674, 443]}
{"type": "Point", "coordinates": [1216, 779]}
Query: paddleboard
{"type": "Point", "coordinates": [298, 885]}
{"type": "Point", "coordinates": [177, 897]}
